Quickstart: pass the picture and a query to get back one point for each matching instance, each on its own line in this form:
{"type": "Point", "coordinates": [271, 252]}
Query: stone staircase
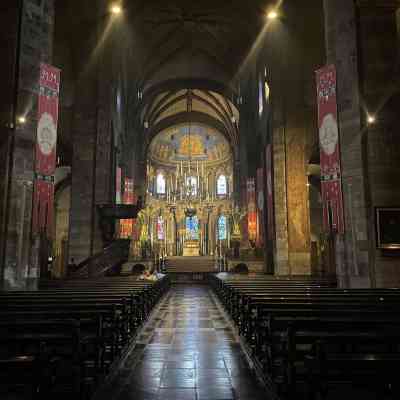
{"type": "Point", "coordinates": [191, 265]}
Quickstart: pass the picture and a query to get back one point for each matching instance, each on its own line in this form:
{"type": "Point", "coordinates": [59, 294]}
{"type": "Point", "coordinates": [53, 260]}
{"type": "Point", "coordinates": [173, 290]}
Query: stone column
{"type": "Point", "coordinates": [36, 40]}
{"type": "Point", "coordinates": [92, 172]}
{"type": "Point", "coordinates": [352, 250]}
{"type": "Point", "coordinates": [379, 69]}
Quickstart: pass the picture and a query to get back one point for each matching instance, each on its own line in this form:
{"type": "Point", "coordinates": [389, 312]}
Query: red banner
{"type": "Point", "coordinates": [270, 193]}
{"type": "Point", "coordinates": [331, 180]}
{"type": "Point", "coordinates": [251, 209]}
{"type": "Point", "coordinates": [45, 154]}
{"type": "Point", "coordinates": [260, 207]}
{"type": "Point", "coordinates": [43, 207]}
{"type": "Point", "coordinates": [46, 143]}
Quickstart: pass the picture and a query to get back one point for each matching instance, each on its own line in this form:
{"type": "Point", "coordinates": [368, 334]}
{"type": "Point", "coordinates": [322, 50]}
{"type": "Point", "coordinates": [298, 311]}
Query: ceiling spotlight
{"type": "Point", "coordinates": [371, 119]}
{"type": "Point", "coordinates": [21, 120]}
{"type": "Point", "coordinates": [272, 15]}
{"type": "Point", "coordinates": [116, 9]}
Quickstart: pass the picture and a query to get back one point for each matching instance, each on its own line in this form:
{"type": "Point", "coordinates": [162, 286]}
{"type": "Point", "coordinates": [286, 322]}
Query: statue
{"type": "Point", "coordinates": [237, 216]}
{"type": "Point", "coordinates": [143, 220]}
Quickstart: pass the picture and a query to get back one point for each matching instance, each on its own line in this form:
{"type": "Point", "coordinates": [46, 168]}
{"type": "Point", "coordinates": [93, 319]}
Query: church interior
{"type": "Point", "coordinates": [199, 200]}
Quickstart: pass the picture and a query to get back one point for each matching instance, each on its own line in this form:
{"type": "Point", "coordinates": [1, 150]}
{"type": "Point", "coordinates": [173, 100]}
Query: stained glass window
{"type": "Point", "coordinates": [192, 228]}
{"type": "Point", "coordinates": [222, 185]}
{"type": "Point", "coordinates": [222, 228]}
{"type": "Point", "coordinates": [260, 97]}
{"type": "Point", "coordinates": [161, 184]}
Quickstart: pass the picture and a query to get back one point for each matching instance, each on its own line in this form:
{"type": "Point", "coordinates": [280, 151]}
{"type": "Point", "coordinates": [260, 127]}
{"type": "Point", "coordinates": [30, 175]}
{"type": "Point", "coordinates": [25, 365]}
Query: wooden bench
{"type": "Point", "coordinates": [105, 313]}
{"type": "Point", "coordinates": [290, 327]}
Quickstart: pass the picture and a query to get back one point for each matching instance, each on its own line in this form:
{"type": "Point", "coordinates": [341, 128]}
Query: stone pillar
{"type": "Point", "coordinates": [36, 37]}
{"type": "Point", "coordinates": [379, 69]}
{"type": "Point", "coordinates": [352, 250]}
{"type": "Point", "coordinates": [281, 260]}
{"type": "Point", "coordinates": [92, 171]}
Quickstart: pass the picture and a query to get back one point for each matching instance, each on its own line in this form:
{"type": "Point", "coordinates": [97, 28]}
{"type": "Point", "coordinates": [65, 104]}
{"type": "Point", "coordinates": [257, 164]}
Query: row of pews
{"type": "Point", "coordinates": [64, 338]}
{"type": "Point", "coordinates": [313, 340]}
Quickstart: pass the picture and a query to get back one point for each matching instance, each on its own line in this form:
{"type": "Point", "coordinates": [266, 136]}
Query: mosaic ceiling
{"type": "Point", "coordinates": [176, 144]}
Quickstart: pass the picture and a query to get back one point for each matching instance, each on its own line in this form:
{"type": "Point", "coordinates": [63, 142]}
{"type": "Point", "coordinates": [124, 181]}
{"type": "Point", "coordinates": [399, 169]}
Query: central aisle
{"type": "Point", "coordinates": [186, 352]}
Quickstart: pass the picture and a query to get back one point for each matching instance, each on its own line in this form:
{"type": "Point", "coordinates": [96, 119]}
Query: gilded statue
{"type": "Point", "coordinates": [237, 215]}
{"type": "Point", "coordinates": [143, 219]}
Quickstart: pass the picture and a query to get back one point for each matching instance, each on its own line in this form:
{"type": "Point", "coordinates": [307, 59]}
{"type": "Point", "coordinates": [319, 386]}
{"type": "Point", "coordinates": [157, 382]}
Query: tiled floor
{"type": "Point", "coordinates": [187, 352]}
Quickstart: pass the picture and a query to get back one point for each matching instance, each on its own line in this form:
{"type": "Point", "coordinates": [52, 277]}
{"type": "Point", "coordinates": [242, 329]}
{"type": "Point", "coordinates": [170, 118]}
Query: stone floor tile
{"type": "Point", "coordinates": [176, 394]}
{"type": "Point", "coordinates": [215, 393]}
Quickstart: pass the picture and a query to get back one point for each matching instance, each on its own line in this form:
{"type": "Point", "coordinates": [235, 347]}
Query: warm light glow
{"type": "Point", "coordinates": [371, 119]}
{"type": "Point", "coordinates": [272, 15]}
{"type": "Point", "coordinates": [116, 9]}
{"type": "Point", "coordinates": [21, 120]}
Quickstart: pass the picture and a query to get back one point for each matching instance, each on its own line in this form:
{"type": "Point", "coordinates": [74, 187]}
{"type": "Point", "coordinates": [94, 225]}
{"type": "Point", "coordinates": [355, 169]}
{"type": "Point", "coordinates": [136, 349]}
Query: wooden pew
{"type": "Point", "coordinates": [108, 313]}
{"type": "Point", "coordinates": [283, 323]}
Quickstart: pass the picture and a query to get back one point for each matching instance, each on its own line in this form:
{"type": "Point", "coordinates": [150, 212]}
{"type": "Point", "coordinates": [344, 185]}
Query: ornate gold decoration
{"type": "Point", "coordinates": [191, 145]}
{"type": "Point", "coordinates": [237, 216]}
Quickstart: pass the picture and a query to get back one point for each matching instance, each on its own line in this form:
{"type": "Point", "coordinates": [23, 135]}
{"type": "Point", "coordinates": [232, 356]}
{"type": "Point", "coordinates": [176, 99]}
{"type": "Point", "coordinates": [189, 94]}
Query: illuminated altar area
{"type": "Point", "coordinates": [189, 203]}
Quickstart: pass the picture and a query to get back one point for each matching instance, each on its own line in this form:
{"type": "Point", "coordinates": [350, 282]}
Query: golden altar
{"type": "Point", "coordinates": [191, 248]}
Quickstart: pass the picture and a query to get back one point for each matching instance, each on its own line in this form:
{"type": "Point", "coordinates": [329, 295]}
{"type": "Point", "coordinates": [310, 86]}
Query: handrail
{"type": "Point", "coordinates": [96, 265]}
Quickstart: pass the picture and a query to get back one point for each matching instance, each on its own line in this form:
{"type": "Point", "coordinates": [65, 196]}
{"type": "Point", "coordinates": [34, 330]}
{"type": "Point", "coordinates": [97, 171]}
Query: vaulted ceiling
{"type": "Point", "coordinates": [207, 38]}
{"type": "Point", "coordinates": [183, 105]}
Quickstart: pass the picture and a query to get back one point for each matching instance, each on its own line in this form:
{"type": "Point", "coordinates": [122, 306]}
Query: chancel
{"type": "Point", "coordinates": [199, 200]}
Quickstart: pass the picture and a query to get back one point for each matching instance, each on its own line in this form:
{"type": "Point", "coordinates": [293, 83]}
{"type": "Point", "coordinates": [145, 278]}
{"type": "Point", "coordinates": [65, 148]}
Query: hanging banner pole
{"type": "Point", "coordinates": [331, 177]}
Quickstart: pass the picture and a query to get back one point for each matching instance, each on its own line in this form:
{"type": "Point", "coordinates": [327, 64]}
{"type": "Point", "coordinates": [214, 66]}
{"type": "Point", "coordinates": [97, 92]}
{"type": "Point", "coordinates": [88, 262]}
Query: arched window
{"type": "Point", "coordinates": [260, 97]}
{"type": "Point", "coordinates": [191, 183]}
{"type": "Point", "coordinates": [160, 184]}
{"type": "Point", "coordinates": [222, 228]}
{"type": "Point", "coordinates": [192, 228]}
{"type": "Point", "coordinates": [222, 186]}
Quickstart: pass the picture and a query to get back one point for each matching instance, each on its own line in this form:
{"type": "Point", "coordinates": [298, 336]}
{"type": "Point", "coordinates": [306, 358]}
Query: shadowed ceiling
{"type": "Point", "coordinates": [170, 46]}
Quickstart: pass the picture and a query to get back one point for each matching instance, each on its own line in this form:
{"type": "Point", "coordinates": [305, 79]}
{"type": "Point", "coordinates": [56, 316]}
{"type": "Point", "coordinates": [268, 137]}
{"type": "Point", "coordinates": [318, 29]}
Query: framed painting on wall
{"type": "Point", "coordinates": [388, 228]}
